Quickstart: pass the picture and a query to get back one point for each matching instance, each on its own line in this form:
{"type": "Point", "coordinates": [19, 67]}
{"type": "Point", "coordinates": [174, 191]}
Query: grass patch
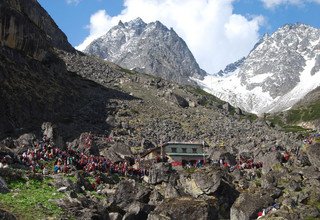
{"type": "Point", "coordinates": [277, 120]}
{"type": "Point", "coordinates": [250, 117]}
{"type": "Point", "coordinates": [294, 129]}
{"type": "Point", "coordinates": [98, 196]}
{"type": "Point", "coordinates": [309, 113]}
{"type": "Point", "coordinates": [32, 200]}
{"type": "Point", "coordinates": [207, 98]}
{"type": "Point", "coordinates": [190, 170]}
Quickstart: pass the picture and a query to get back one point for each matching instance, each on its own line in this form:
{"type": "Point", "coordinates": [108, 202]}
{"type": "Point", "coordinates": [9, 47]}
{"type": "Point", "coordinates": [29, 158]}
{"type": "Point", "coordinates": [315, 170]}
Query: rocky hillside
{"type": "Point", "coordinates": [35, 85]}
{"type": "Point", "coordinates": [148, 48]}
{"type": "Point", "coordinates": [280, 70]}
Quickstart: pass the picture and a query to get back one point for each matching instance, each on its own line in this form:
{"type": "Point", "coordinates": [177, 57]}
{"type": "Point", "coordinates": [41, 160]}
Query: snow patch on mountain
{"type": "Point", "coordinates": [278, 72]}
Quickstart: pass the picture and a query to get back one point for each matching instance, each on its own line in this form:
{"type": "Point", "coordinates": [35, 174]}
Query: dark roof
{"type": "Point", "coordinates": [172, 143]}
{"type": "Point", "coordinates": [185, 143]}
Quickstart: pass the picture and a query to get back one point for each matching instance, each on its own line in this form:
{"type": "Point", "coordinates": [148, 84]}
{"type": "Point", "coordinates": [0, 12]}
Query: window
{"type": "Point", "coordinates": [194, 150]}
{"type": "Point", "coordinates": [174, 150]}
{"type": "Point", "coordinates": [184, 150]}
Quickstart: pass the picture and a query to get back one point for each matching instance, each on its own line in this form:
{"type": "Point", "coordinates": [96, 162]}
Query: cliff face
{"type": "Point", "coordinates": [26, 26]}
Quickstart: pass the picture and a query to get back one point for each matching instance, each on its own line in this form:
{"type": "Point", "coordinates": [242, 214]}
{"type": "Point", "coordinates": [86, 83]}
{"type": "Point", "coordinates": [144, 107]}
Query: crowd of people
{"type": "Point", "coordinates": [46, 158]}
{"type": "Point", "coordinates": [241, 164]}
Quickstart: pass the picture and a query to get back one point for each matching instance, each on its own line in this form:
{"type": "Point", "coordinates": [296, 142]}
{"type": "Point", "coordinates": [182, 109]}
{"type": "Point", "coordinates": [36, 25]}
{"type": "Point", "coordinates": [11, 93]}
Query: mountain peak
{"type": "Point", "coordinates": [135, 22]}
{"type": "Point", "coordinates": [280, 70]}
{"type": "Point", "coordinates": [150, 48]}
{"type": "Point", "coordinates": [120, 23]}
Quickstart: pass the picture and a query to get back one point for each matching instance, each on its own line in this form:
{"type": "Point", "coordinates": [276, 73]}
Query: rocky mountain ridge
{"type": "Point", "coordinates": [148, 48]}
{"type": "Point", "coordinates": [278, 72]}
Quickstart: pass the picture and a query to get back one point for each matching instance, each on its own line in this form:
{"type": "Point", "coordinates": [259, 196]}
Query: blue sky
{"type": "Point", "coordinates": [231, 27]}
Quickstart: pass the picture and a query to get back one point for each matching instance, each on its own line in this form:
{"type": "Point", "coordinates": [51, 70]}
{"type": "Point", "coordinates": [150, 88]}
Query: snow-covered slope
{"type": "Point", "coordinates": [278, 72]}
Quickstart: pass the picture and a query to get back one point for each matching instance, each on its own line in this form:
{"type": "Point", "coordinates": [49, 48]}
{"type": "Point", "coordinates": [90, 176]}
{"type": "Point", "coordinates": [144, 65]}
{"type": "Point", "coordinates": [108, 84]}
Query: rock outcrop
{"type": "Point", "coordinates": [248, 205]}
{"type": "Point", "coordinates": [184, 208]}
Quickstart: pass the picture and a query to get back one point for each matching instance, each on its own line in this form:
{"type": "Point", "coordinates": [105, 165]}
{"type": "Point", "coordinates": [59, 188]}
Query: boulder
{"type": "Point", "coordinates": [229, 158]}
{"type": "Point", "coordinates": [6, 215]}
{"type": "Point", "coordinates": [8, 142]}
{"type": "Point", "coordinates": [184, 208]}
{"type": "Point", "coordinates": [62, 189]}
{"type": "Point", "coordinates": [4, 151]}
{"type": "Point", "coordinates": [86, 143]}
{"type": "Point", "coordinates": [118, 152]}
{"type": "Point", "coordinates": [238, 111]}
{"type": "Point", "coordinates": [170, 192]}
{"type": "Point", "coordinates": [248, 205]}
{"type": "Point", "coordinates": [180, 101]}
{"type": "Point", "coordinates": [204, 181]}
{"type": "Point", "coordinates": [313, 153]}
{"type": "Point", "coordinates": [304, 160]}
{"type": "Point", "coordinates": [25, 140]}
{"type": "Point", "coordinates": [155, 198]}
{"type": "Point", "coordinates": [115, 216]}
{"type": "Point", "coordinates": [137, 211]}
{"type": "Point", "coordinates": [51, 132]}
{"type": "Point", "coordinates": [159, 172]}
{"type": "Point", "coordinates": [3, 186]}
{"type": "Point", "coordinates": [60, 182]}
{"type": "Point", "coordinates": [129, 191]}
{"type": "Point", "coordinates": [270, 161]}
{"type": "Point", "coordinates": [147, 144]}
{"type": "Point", "coordinates": [111, 121]}
{"type": "Point", "coordinates": [227, 107]}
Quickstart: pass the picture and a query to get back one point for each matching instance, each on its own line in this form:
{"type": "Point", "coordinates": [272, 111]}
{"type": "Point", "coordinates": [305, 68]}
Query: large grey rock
{"type": "Point", "coordinates": [137, 210]}
{"type": "Point", "coordinates": [180, 101]}
{"type": "Point", "coordinates": [51, 132]}
{"type": "Point", "coordinates": [313, 153]}
{"type": "Point", "coordinates": [171, 192]}
{"type": "Point", "coordinates": [204, 181]}
{"type": "Point", "coordinates": [184, 208]}
{"type": "Point", "coordinates": [155, 198]}
{"type": "Point", "coordinates": [118, 152]}
{"type": "Point", "coordinates": [115, 216]}
{"type": "Point", "coordinates": [4, 151]}
{"type": "Point", "coordinates": [159, 172]}
{"type": "Point", "coordinates": [248, 205]}
{"type": "Point", "coordinates": [129, 191]}
{"type": "Point", "coordinates": [270, 161]}
{"type": "Point", "coordinates": [59, 181]}
{"type": "Point", "coordinates": [25, 140]}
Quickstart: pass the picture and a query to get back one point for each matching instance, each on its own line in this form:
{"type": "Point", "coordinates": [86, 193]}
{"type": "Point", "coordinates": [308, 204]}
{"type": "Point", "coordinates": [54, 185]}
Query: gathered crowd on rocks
{"type": "Point", "coordinates": [46, 158]}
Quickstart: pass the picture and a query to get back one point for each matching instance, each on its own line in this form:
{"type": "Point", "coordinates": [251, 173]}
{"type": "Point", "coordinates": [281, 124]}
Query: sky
{"type": "Point", "coordinates": [218, 32]}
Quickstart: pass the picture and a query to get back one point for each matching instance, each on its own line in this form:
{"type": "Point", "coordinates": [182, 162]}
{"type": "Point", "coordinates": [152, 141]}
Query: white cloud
{"type": "Point", "coordinates": [274, 3]}
{"type": "Point", "coordinates": [75, 2]}
{"type": "Point", "coordinates": [215, 35]}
